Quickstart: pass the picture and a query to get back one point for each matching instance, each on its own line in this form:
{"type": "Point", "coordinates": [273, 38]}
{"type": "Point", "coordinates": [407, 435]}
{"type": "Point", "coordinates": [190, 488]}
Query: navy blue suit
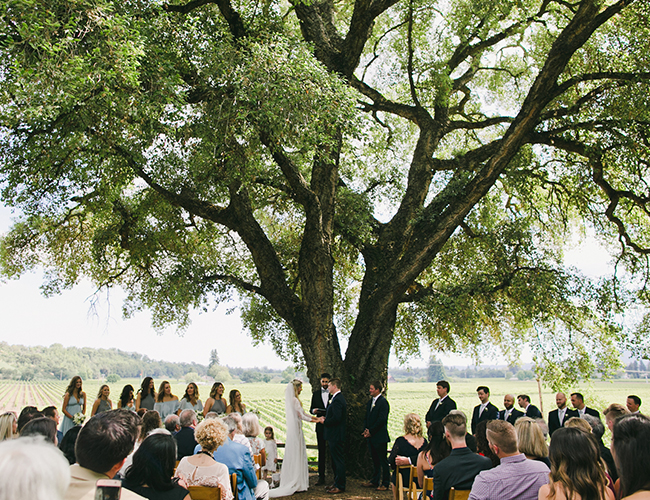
{"type": "Point", "coordinates": [377, 424]}
{"type": "Point", "coordinates": [437, 414]}
{"type": "Point", "coordinates": [512, 418]}
{"type": "Point", "coordinates": [335, 419]}
{"type": "Point", "coordinates": [533, 412]}
{"type": "Point", "coordinates": [490, 412]}
{"type": "Point", "coordinates": [554, 419]}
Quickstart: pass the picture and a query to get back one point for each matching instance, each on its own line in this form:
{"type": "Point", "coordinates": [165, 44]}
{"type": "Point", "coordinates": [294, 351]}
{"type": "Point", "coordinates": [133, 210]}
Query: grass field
{"type": "Point", "coordinates": [268, 399]}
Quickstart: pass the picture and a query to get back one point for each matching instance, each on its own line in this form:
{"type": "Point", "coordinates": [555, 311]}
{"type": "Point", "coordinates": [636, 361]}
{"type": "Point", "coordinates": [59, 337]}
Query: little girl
{"type": "Point", "coordinates": [271, 451]}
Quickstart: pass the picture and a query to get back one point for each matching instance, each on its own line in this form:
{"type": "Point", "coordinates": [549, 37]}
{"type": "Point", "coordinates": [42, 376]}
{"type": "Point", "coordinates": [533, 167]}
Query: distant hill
{"type": "Point", "coordinates": [57, 362]}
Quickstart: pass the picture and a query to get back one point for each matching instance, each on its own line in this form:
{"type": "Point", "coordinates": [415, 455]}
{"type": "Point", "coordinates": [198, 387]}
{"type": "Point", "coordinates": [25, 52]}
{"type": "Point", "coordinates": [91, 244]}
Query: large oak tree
{"type": "Point", "coordinates": [380, 172]}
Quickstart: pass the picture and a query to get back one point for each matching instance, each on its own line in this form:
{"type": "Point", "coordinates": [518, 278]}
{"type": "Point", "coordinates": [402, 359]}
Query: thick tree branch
{"type": "Point", "coordinates": [232, 17]}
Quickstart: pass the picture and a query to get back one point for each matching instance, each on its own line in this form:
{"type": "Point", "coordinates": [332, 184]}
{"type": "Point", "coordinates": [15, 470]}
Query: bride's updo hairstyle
{"type": "Point", "coordinates": [211, 433]}
{"type": "Point", "coordinates": [297, 384]}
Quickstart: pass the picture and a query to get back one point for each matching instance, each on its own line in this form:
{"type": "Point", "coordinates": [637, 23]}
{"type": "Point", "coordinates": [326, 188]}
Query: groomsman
{"type": "Point", "coordinates": [510, 414]}
{"type": "Point", "coordinates": [319, 401]}
{"type": "Point", "coordinates": [578, 403]}
{"type": "Point", "coordinates": [376, 432]}
{"type": "Point", "coordinates": [529, 410]}
{"type": "Point", "coordinates": [556, 418]}
{"type": "Point", "coordinates": [484, 411]}
{"type": "Point", "coordinates": [440, 407]}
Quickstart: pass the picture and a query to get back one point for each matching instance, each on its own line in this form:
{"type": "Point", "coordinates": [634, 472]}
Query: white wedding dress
{"type": "Point", "coordinates": [294, 475]}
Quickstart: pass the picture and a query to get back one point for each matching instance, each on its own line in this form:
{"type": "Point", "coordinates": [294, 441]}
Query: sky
{"type": "Point", "coordinates": [28, 318]}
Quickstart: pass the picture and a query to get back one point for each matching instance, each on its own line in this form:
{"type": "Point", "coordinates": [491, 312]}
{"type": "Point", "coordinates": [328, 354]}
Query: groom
{"type": "Point", "coordinates": [334, 423]}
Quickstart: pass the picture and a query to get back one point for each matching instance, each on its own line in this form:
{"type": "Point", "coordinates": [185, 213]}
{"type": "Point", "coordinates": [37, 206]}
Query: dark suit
{"type": "Point", "coordinates": [458, 471]}
{"type": "Point", "coordinates": [490, 412]}
{"type": "Point", "coordinates": [318, 408]}
{"type": "Point", "coordinates": [533, 412]}
{"type": "Point", "coordinates": [512, 418]}
{"type": "Point", "coordinates": [335, 419]}
{"type": "Point", "coordinates": [377, 424]}
{"type": "Point", "coordinates": [185, 442]}
{"type": "Point", "coordinates": [436, 415]}
{"type": "Point", "coordinates": [592, 412]}
{"type": "Point", "coordinates": [554, 419]}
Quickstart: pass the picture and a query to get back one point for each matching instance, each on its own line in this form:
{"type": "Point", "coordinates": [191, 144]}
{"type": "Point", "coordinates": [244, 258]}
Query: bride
{"type": "Point", "coordinates": [294, 475]}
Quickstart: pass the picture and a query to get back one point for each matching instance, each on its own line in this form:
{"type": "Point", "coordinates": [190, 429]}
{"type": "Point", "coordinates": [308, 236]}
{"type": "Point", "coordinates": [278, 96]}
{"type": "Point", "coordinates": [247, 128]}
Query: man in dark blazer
{"type": "Point", "coordinates": [529, 410]}
{"type": "Point", "coordinates": [185, 442]}
{"type": "Point", "coordinates": [510, 414]}
{"type": "Point", "coordinates": [578, 403]}
{"type": "Point", "coordinates": [334, 422]}
{"type": "Point", "coordinates": [376, 432]}
{"type": "Point", "coordinates": [484, 411]}
{"type": "Point", "coordinates": [440, 407]}
{"type": "Point", "coordinates": [556, 418]}
{"type": "Point", "coordinates": [319, 401]}
{"type": "Point", "coordinates": [460, 468]}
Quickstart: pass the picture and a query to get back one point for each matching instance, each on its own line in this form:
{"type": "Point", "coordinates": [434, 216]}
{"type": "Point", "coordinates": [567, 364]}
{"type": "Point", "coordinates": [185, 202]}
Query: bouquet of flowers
{"type": "Point", "coordinates": [78, 418]}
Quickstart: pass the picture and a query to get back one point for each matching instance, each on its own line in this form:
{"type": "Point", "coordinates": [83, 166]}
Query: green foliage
{"type": "Point", "coordinates": [436, 370]}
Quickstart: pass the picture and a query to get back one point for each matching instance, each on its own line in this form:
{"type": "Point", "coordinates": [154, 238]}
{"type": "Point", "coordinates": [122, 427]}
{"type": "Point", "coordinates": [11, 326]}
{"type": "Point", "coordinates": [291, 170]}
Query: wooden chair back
{"type": "Point", "coordinates": [427, 488]}
{"type": "Point", "coordinates": [401, 489]}
{"type": "Point", "coordinates": [205, 493]}
{"type": "Point", "coordinates": [455, 494]}
{"type": "Point", "coordinates": [258, 461]}
{"type": "Point", "coordinates": [233, 485]}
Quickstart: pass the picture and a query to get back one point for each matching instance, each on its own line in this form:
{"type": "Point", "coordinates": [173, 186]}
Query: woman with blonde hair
{"type": "Point", "coordinates": [579, 423]}
{"type": "Point", "coordinates": [530, 440]}
{"type": "Point", "coordinates": [102, 403]}
{"type": "Point", "coordinates": [294, 475]}
{"type": "Point", "coordinates": [8, 426]}
{"type": "Point", "coordinates": [576, 469]}
{"type": "Point", "coordinates": [190, 400]}
{"type": "Point", "coordinates": [216, 402]}
{"type": "Point", "coordinates": [202, 469]}
{"type": "Point", "coordinates": [407, 447]}
{"type": "Point", "coordinates": [166, 403]}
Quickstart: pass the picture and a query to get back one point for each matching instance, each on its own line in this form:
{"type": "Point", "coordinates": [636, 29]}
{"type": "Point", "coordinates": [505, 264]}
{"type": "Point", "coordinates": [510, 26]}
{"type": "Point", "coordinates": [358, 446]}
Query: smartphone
{"type": "Point", "coordinates": [108, 489]}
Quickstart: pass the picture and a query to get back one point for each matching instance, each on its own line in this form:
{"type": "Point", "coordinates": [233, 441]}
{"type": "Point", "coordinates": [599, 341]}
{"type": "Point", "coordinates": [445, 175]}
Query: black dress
{"type": "Point", "coordinates": [176, 493]}
{"type": "Point", "coordinates": [403, 448]}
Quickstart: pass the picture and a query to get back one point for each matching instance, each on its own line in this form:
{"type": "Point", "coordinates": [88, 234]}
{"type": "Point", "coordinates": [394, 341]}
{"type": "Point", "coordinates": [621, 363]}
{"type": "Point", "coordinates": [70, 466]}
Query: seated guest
{"type": "Point", "coordinates": [239, 433]}
{"type": "Point", "coordinates": [32, 469]}
{"type": "Point", "coordinates": [67, 444]}
{"type": "Point", "coordinates": [53, 413]}
{"type": "Point", "coordinates": [43, 426]}
{"type": "Point", "coordinates": [103, 444]}
{"type": "Point", "coordinates": [150, 421]}
{"type": "Point", "coordinates": [437, 450]}
{"type": "Point", "coordinates": [251, 428]}
{"type": "Point", "coordinates": [238, 460]}
{"type": "Point", "coordinates": [470, 440]}
{"type": "Point", "coordinates": [26, 414]}
{"type": "Point", "coordinates": [576, 470]}
{"type": "Point", "coordinates": [102, 403]}
{"type": "Point", "coordinates": [531, 440]}
{"type": "Point", "coordinates": [614, 412]}
{"type": "Point", "coordinates": [406, 448]}
{"type": "Point", "coordinates": [523, 400]}
{"type": "Point", "coordinates": [515, 478]}
{"type": "Point", "coordinates": [202, 469]}
{"type": "Point", "coordinates": [126, 398]}
{"type": "Point", "coordinates": [631, 450]}
{"type": "Point", "coordinates": [460, 468]}
{"type": "Point", "coordinates": [173, 423]}
{"type": "Point", "coordinates": [482, 443]}
{"type": "Point", "coordinates": [190, 400]}
{"type": "Point", "coordinates": [166, 402]}
{"type": "Point", "coordinates": [633, 403]}
{"type": "Point", "coordinates": [579, 423]}
{"type": "Point", "coordinates": [151, 471]}
{"type": "Point", "coordinates": [185, 437]}
{"type": "Point", "coordinates": [598, 429]}
{"type": "Point", "coordinates": [8, 426]}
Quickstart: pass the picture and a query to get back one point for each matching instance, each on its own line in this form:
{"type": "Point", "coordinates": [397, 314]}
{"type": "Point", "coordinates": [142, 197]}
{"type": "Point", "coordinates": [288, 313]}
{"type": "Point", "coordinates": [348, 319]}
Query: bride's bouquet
{"type": "Point", "coordinates": [78, 418]}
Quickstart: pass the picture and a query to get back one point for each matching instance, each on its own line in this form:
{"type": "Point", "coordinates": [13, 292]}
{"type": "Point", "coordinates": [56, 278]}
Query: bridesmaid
{"type": "Point", "coordinates": [126, 398]}
{"type": "Point", "coordinates": [166, 402]}
{"type": "Point", "coordinates": [190, 400]}
{"type": "Point", "coordinates": [235, 403]}
{"type": "Point", "coordinates": [216, 402]}
{"type": "Point", "coordinates": [74, 401]}
{"type": "Point", "coordinates": [102, 403]}
{"type": "Point", "coordinates": [146, 395]}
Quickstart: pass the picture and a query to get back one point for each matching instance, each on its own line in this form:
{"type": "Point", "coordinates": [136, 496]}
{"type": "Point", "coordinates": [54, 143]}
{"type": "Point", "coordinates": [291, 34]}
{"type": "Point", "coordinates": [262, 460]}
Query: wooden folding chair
{"type": "Point", "coordinates": [427, 487]}
{"type": "Point", "coordinates": [402, 489]}
{"type": "Point", "coordinates": [205, 493]}
{"type": "Point", "coordinates": [455, 494]}
{"type": "Point", "coordinates": [233, 485]}
{"type": "Point", "coordinates": [414, 491]}
{"type": "Point", "coordinates": [258, 461]}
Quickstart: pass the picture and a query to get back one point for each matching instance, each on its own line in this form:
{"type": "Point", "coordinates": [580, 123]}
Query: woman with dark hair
{"type": "Point", "coordinates": [631, 450]}
{"type": "Point", "coordinates": [102, 403]}
{"type": "Point", "coordinates": [126, 398]}
{"type": "Point", "coordinates": [146, 395]}
{"type": "Point", "coordinates": [438, 449]}
{"type": "Point", "coordinates": [482, 445]}
{"type": "Point", "coordinates": [576, 469]}
{"type": "Point", "coordinates": [150, 421]}
{"type": "Point", "coordinates": [26, 414]}
{"type": "Point", "coordinates": [166, 402]}
{"type": "Point", "coordinates": [74, 401]}
{"type": "Point", "coordinates": [42, 426]}
{"type": "Point", "coordinates": [216, 402]}
{"type": "Point", "coordinates": [67, 444]}
{"type": "Point", "coordinates": [235, 403]}
{"type": "Point", "coordinates": [190, 400]}
{"type": "Point", "coordinates": [150, 474]}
